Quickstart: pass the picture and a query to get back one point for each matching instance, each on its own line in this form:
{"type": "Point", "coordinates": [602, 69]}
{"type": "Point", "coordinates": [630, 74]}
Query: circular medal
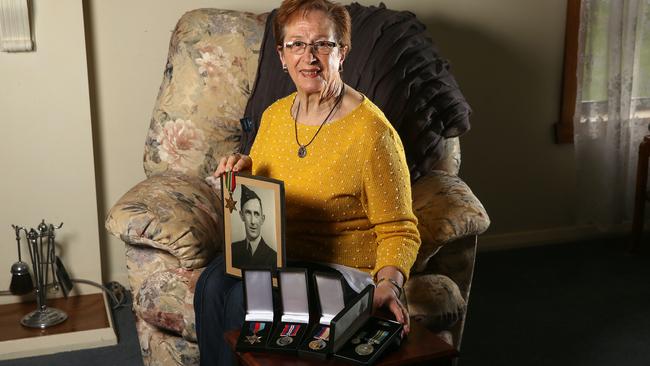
{"type": "Point", "coordinates": [284, 341]}
{"type": "Point", "coordinates": [317, 345]}
{"type": "Point", "coordinates": [355, 341]}
{"type": "Point", "coordinates": [364, 349]}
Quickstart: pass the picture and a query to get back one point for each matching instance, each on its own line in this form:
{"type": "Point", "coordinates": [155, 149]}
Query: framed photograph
{"type": "Point", "coordinates": [253, 217]}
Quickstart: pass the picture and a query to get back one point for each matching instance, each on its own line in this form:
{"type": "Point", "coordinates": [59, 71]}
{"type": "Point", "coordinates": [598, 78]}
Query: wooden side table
{"type": "Point", "coordinates": [640, 196]}
{"type": "Point", "coordinates": [421, 347]}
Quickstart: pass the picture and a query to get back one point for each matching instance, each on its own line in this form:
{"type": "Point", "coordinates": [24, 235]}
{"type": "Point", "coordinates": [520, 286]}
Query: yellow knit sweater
{"type": "Point", "coordinates": [349, 200]}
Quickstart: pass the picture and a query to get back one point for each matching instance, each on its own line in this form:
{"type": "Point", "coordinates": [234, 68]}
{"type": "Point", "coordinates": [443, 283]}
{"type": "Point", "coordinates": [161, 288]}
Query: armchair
{"type": "Point", "coordinates": [171, 221]}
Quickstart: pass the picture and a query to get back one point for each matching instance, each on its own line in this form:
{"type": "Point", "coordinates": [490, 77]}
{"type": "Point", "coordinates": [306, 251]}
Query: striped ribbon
{"type": "Point", "coordinates": [323, 333]}
{"type": "Point", "coordinates": [290, 330]}
{"type": "Point", "coordinates": [257, 327]}
{"type": "Point", "coordinates": [378, 337]}
{"type": "Point", "coordinates": [231, 183]}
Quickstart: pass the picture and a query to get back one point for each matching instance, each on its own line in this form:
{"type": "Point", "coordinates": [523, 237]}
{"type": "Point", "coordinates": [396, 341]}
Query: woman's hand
{"type": "Point", "coordinates": [386, 296]}
{"type": "Point", "coordinates": [235, 163]}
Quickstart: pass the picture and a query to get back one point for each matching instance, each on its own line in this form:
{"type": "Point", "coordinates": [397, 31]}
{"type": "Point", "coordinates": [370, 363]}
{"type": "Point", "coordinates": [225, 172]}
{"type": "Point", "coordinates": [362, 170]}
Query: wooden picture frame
{"type": "Point", "coordinates": [253, 213]}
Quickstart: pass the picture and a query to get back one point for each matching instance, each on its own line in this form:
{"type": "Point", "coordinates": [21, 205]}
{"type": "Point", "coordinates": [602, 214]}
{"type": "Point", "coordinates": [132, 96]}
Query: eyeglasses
{"type": "Point", "coordinates": [321, 47]}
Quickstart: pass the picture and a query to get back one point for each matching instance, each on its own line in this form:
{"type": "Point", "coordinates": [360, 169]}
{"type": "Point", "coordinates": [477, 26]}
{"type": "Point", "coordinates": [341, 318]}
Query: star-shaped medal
{"type": "Point", "coordinates": [253, 338]}
{"type": "Point", "coordinates": [231, 204]}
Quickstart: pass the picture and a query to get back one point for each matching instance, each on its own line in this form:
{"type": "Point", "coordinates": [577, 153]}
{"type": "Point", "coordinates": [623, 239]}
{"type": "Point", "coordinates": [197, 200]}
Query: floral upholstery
{"type": "Point", "coordinates": [163, 348]}
{"type": "Point", "coordinates": [176, 213]}
{"type": "Point", "coordinates": [450, 161]}
{"type": "Point", "coordinates": [434, 300]}
{"type": "Point", "coordinates": [210, 72]}
{"type": "Point", "coordinates": [166, 300]}
{"type": "Point", "coordinates": [171, 222]}
{"type": "Point", "coordinates": [447, 210]}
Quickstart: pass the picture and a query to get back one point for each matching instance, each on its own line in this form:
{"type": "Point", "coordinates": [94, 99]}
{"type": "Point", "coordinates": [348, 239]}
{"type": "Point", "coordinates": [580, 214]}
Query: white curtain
{"type": "Point", "coordinates": [612, 107]}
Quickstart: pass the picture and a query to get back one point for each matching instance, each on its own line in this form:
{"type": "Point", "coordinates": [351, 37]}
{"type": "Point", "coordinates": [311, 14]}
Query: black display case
{"type": "Point", "coordinates": [360, 338]}
{"type": "Point", "coordinates": [293, 324]}
{"type": "Point", "coordinates": [258, 300]}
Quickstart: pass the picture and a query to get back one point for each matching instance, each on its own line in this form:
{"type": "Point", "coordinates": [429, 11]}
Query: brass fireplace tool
{"type": "Point", "coordinates": [45, 262]}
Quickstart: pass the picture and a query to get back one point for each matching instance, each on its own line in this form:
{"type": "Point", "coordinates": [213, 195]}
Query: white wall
{"type": "Point", "coordinates": [46, 154]}
{"type": "Point", "coordinates": [506, 55]}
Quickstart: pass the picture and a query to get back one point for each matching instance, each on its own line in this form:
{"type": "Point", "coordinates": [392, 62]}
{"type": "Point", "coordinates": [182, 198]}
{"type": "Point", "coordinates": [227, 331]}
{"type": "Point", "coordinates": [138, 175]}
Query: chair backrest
{"type": "Point", "coordinates": [210, 71]}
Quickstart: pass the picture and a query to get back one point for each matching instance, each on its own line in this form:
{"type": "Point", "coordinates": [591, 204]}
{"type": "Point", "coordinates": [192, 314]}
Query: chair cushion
{"type": "Point", "coordinates": [447, 210]}
{"type": "Point", "coordinates": [211, 67]}
{"type": "Point", "coordinates": [172, 212]}
{"type": "Point", "coordinates": [434, 300]}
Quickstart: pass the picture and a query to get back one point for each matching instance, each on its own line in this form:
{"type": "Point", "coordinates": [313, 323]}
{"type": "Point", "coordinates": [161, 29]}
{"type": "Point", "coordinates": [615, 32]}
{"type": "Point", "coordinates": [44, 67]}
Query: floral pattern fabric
{"type": "Point", "coordinates": [166, 300]}
{"type": "Point", "coordinates": [434, 300]}
{"type": "Point", "coordinates": [176, 213]}
{"type": "Point", "coordinates": [447, 210]}
{"type": "Point", "coordinates": [211, 68]}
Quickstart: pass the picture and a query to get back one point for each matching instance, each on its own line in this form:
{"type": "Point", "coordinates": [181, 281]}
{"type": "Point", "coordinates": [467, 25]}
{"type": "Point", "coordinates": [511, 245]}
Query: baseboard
{"type": "Point", "coordinates": [559, 235]}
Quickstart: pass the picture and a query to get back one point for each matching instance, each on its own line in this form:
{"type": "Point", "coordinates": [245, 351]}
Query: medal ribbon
{"type": "Point", "coordinates": [257, 327]}
{"type": "Point", "coordinates": [231, 183]}
{"type": "Point", "coordinates": [323, 333]}
{"type": "Point", "coordinates": [378, 337]}
{"type": "Point", "coordinates": [290, 330]}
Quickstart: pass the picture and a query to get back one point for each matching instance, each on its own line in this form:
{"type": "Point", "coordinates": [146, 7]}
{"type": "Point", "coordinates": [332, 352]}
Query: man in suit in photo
{"type": "Point", "coordinates": [253, 250]}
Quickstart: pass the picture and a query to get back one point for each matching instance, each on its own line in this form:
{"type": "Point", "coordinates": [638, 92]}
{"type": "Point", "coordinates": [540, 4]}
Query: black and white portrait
{"type": "Point", "coordinates": [253, 224]}
{"type": "Point", "coordinates": [254, 248]}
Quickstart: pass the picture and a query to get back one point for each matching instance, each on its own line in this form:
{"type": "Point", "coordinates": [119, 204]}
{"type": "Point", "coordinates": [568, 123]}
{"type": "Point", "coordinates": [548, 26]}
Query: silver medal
{"type": "Point", "coordinates": [284, 341]}
{"type": "Point", "coordinates": [364, 349]}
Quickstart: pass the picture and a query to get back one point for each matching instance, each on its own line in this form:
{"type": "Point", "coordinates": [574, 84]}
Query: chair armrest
{"type": "Point", "coordinates": [447, 210]}
{"type": "Point", "coordinates": [175, 213]}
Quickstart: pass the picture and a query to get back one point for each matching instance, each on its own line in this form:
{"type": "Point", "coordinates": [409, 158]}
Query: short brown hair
{"type": "Point", "coordinates": [334, 11]}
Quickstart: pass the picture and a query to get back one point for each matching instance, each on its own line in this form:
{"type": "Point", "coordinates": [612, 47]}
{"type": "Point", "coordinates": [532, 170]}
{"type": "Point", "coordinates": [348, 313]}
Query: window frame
{"type": "Point", "coordinates": [564, 128]}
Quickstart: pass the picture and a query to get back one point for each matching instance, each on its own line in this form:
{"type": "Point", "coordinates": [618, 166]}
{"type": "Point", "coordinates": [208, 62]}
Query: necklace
{"type": "Point", "coordinates": [302, 149]}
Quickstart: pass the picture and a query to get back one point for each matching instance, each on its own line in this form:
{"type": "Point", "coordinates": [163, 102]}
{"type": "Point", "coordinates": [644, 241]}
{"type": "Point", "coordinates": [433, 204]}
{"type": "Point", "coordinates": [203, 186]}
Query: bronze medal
{"type": "Point", "coordinates": [317, 345]}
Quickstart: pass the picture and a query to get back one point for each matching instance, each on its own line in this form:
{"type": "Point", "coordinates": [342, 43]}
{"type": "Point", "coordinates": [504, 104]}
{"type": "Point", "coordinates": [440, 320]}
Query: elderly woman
{"type": "Point", "coordinates": [348, 196]}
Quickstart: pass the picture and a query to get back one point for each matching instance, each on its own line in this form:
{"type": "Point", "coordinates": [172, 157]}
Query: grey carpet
{"type": "Point", "coordinates": [581, 304]}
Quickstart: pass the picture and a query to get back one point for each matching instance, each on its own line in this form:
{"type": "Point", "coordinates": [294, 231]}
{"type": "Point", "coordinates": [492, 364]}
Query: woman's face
{"type": "Point", "coordinates": [311, 71]}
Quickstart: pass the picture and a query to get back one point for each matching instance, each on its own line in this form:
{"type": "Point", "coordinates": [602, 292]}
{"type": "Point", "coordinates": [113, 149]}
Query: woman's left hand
{"type": "Point", "coordinates": [386, 297]}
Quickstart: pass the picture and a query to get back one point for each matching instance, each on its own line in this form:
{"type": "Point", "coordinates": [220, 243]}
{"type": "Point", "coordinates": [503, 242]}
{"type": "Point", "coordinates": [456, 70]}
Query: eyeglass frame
{"type": "Point", "coordinates": [314, 45]}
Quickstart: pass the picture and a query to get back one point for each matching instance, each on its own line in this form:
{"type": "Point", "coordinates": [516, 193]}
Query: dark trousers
{"type": "Point", "coordinates": [219, 306]}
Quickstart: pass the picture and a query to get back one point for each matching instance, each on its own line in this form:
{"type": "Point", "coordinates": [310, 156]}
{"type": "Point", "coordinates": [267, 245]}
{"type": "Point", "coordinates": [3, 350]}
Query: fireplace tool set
{"type": "Point", "coordinates": [48, 271]}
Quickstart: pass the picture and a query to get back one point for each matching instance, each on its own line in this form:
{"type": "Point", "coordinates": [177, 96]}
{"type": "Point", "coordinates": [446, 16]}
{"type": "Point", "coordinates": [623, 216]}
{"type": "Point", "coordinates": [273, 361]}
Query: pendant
{"type": "Point", "coordinates": [302, 151]}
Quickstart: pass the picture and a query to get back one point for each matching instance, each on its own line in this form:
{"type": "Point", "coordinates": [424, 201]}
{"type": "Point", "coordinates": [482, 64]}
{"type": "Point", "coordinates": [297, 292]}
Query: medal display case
{"type": "Point", "coordinates": [318, 340]}
{"type": "Point", "coordinates": [359, 337]}
{"type": "Point", "coordinates": [258, 299]}
{"type": "Point", "coordinates": [288, 333]}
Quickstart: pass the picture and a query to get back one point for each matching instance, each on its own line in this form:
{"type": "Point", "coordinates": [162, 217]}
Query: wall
{"type": "Point", "coordinates": [506, 55]}
{"type": "Point", "coordinates": [46, 154]}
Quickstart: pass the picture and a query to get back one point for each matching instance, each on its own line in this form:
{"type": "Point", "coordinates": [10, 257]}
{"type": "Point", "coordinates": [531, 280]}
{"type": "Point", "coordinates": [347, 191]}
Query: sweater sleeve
{"type": "Point", "coordinates": [388, 203]}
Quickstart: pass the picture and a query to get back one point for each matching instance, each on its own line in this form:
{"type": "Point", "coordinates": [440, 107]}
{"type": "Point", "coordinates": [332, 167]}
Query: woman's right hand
{"type": "Point", "coordinates": [235, 162]}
